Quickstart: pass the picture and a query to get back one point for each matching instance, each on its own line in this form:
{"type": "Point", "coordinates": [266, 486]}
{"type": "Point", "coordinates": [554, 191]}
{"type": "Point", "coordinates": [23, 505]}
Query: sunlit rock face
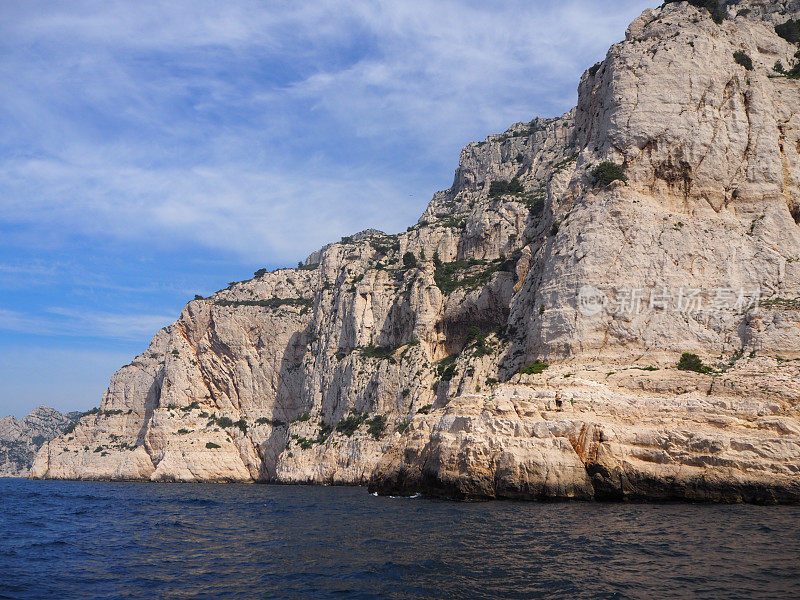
{"type": "Point", "coordinates": [20, 439]}
{"type": "Point", "coordinates": [396, 360]}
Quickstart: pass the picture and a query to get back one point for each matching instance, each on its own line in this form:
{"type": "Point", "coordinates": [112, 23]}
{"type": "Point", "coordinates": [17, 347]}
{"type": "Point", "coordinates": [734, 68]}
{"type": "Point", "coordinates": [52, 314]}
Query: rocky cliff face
{"type": "Point", "coordinates": [657, 218]}
{"type": "Point", "coordinates": [20, 440]}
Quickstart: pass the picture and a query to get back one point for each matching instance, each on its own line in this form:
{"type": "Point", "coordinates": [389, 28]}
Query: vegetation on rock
{"type": "Point", "coordinates": [712, 6]}
{"type": "Point", "coordinates": [505, 188]}
{"type": "Point", "coordinates": [446, 368]}
{"type": "Point", "coordinates": [268, 302]}
{"type": "Point", "coordinates": [692, 362]}
{"type": "Point", "coordinates": [535, 368]}
{"type": "Point", "coordinates": [741, 58]}
{"type": "Point", "coordinates": [452, 276]}
{"type": "Point", "coordinates": [376, 426]}
{"type": "Point", "coordinates": [377, 352]}
{"type": "Point", "coordinates": [351, 423]}
{"type": "Point", "coordinates": [607, 171]}
{"type": "Point", "coordinates": [790, 31]}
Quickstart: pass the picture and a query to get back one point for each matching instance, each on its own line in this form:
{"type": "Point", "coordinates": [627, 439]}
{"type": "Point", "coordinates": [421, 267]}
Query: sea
{"type": "Point", "coordinates": [81, 540]}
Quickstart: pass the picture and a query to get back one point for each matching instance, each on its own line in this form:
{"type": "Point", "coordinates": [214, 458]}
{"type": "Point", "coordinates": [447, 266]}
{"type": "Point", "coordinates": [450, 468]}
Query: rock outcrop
{"type": "Point", "coordinates": [581, 431]}
{"type": "Point", "coordinates": [659, 217]}
{"type": "Point", "coordinates": [21, 439]}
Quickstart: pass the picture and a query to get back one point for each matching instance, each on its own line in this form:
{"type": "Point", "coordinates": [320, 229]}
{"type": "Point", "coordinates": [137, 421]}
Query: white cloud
{"type": "Point", "coordinates": [262, 214]}
{"type": "Point", "coordinates": [58, 321]}
{"type": "Point", "coordinates": [110, 325]}
{"type": "Point", "coordinates": [268, 129]}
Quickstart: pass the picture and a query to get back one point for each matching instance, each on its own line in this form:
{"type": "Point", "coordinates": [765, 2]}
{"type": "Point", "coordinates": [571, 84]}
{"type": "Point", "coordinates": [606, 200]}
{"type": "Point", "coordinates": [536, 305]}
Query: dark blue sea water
{"type": "Point", "coordinates": [111, 540]}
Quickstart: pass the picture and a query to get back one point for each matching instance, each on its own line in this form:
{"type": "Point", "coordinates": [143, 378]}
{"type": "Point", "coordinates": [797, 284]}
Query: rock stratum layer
{"type": "Point", "coordinates": [399, 361]}
{"type": "Point", "coordinates": [21, 439]}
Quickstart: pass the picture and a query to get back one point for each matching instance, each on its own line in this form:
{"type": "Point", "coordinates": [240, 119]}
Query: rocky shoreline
{"type": "Point", "coordinates": [605, 305]}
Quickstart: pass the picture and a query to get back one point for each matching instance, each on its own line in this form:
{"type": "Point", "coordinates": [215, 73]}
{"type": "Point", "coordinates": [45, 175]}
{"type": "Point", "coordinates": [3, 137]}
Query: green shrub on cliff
{"type": "Point", "coordinates": [453, 275]}
{"type": "Point", "coordinates": [212, 446]}
{"type": "Point", "coordinates": [607, 171]}
{"type": "Point", "coordinates": [446, 368]}
{"type": "Point", "coordinates": [790, 31]}
{"type": "Point", "coordinates": [793, 73]}
{"type": "Point", "coordinates": [409, 260]}
{"type": "Point", "coordinates": [534, 368]}
{"type": "Point", "coordinates": [692, 362]}
{"type": "Point", "coordinates": [268, 302]}
{"type": "Point", "coordinates": [378, 352]}
{"type": "Point", "coordinates": [505, 188]}
{"type": "Point", "coordinates": [225, 422]}
{"type": "Point", "coordinates": [376, 426]}
{"type": "Point", "coordinates": [325, 432]}
{"type": "Point", "coordinates": [476, 334]}
{"type": "Point", "coordinates": [741, 58]}
{"type": "Point", "coordinates": [350, 423]}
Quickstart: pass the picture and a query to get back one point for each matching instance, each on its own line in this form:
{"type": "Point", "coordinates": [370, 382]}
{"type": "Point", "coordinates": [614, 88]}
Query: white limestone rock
{"type": "Point", "coordinates": [251, 383]}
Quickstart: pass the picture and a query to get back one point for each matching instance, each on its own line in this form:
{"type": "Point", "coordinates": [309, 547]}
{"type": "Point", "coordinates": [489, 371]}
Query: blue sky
{"type": "Point", "coordinates": [154, 150]}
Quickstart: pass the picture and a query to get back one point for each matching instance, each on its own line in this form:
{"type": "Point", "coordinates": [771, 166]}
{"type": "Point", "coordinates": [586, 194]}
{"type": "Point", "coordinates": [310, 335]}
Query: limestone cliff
{"type": "Point", "coordinates": [659, 217]}
{"type": "Point", "coordinates": [21, 439]}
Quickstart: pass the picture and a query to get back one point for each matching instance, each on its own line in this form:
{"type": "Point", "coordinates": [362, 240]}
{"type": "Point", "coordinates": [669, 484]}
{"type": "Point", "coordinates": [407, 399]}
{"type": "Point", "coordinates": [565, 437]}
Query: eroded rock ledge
{"type": "Point", "coordinates": [633, 435]}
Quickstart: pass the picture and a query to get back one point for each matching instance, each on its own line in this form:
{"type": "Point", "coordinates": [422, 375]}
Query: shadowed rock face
{"type": "Point", "coordinates": [395, 359]}
{"type": "Point", "coordinates": [21, 439]}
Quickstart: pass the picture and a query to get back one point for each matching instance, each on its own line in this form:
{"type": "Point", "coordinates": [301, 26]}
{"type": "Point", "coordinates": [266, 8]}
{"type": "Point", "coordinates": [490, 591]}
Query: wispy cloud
{"type": "Point", "coordinates": [259, 213]}
{"type": "Point", "coordinates": [268, 129]}
{"type": "Point", "coordinates": [70, 322]}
